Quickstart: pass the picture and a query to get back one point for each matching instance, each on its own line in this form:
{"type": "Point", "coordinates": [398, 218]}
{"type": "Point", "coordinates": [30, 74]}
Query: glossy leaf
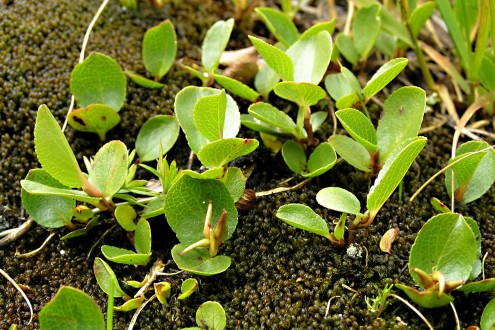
{"type": "Point", "coordinates": [37, 188]}
{"type": "Point", "coordinates": [315, 29]}
{"type": "Point", "coordinates": [235, 181]}
{"type": "Point", "coordinates": [265, 79]}
{"type": "Point", "coordinates": [365, 29]}
{"type": "Point", "coordinates": [142, 237]}
{"type": "Point", "coordinates": [186, 205]}
{"type": "Point", "coordinates": [478, 286]}
{"type": "Point", "coordinates": [403, 109]}
{"type": "Point", "coordinates": [346, 47]}
{"type": "Point", "coordinates": [294, 156]}
{"type": "Point", "coordinates": [488, 316]}
{"type": "Point", "coordinates": [96, 118]}
{"type": "Point", "coordinates": [214, 44]}
{"type": "Point", "coordinates": [301, 93]}
{"type": "Point", "coordinates": [220, 153]}
{"type": "Point", "coordinates": [351, 79]}
{"type": "Point", "coordinates": [359, 127]}
{"type": "Point", "coordinates": [159, 48]}
{"type": "Point", "coordinates": [392, 173]}
{"type": "Point", "coordinates": [187, 288]}
{"type": "Point", "coordinates": [338, 87]}
{"type": "Point", "coordinates": [211, 315]}
{"type": "Point", "coordinates": [104, 275]}
{"type": "Point", "coordinates": [159, 133]}
{"type": "Point", "coordinates": [53, 150]}
{"type": "Point", "coordinates": [303, 217]}
{"type": "Point", "coordinates": [279, 25]}
{"type": "Point", "coordinates": [338, 199]}
{"type": "Point", "coordinates": [447, 244]}
{"type": "Point", "coordinates": [352, 152]}
{"type": "Point", "coordinates": [143, 81]}
{"type": "Point", "coordinates": [317, 119]}
{"type": "Point", "coordinates": [322, 159]}
{"type": "Point", "coordinates": [272, 116]}
{"type": "Point", "coordinates": [260, 126]}
{"type": "Point", "coordinates": [199, 262]}
{"type": "Point", "coordinates": [184, 109]}
{"type": "Point", "coordinates": [209, 115]}
{"type": "Point", "coordinates": [311, 57]}
{"type": "Point", "coordinates": [279, 61]}
{"type": "Point", "coordinates": [47, 211]}
{"type": "Point", "coordinates": [123, 256]}
{"type": "Point", "coordinates": [125, 215]}
{"type": "Point", "coordinates": [237, 88]}
{"type": "Point", "coordinates": [99, 79]}
{"type": "Point", "coordinates": [427, 299]}
{"type": "Point", "coordinates": [71, 309]}
{"type": "Point", "coordinates": [385, 74]}
{"type": "Point", "coordinates": [109, 170]}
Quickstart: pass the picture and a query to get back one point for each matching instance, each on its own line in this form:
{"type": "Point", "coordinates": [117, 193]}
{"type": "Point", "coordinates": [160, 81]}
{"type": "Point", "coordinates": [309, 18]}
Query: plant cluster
{"type": "Point", "coordinates": [200, 206]}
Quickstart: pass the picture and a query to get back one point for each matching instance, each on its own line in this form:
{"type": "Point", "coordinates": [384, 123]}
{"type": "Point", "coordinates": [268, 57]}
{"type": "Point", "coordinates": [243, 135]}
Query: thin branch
{"type": "Point", "coordinates": [14, 234]}
{"type": "Point", "coordinates": [414, 309]}
{"type": "Point", "coordinates": [26, 299]}
{"type": "Point", "coordinates": [35, 252]}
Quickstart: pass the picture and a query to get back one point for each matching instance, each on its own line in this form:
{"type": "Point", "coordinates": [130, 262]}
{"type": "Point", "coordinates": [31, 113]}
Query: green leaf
{"type": "Point", "coordinates": [265, 79]}
{"type": "Point", "coordinates": [338, 87]}
{"type": "Point", "coordinates": [473, 175]}
{"type": "Point", "coordinates": [294, 156]}
{"type": "Point", "coordinates": [301, 93]}
{"type": "Point", "coordinates": [159, 48]}
{"type": "Point", "coordinates": [211, 315]}
{"type": "Point", "coordinates": [109, 170]}
{"type": "Point", "coordinates": [477, 266]}
{"type": "Point", "coordinates": [352, 152]}
{"type": "Point", "coordinates": [346, 47]}
{"type": "Point", "coordinates": [279, 61]}
{"type": "Point", "coordinates": [386, 44]}
{"type": "Point", "coordinates": [260, 126]}
{"type": "Point", "coordinates": [322, 159]}
{"type": "Point", "coordinates": [403, 109]}
{"type": "Point", "coordinates": [187, 288]}
{"type": "Point", "coordinates": [235, 181]}
{"type": "Point", "coordinates": [317, 119]}
{"type": "Point", "coordinates": [279, 25]}
{"type": "Point", "coordinates": [359, 127]}
{"type": "Point", "coordinates": [209, 115]}
{"type": "Point", "coordinates": [447, 244]}
{"type": "Point", "coordinates": [328, 26]}
{"type": "Point", "coordinates": [143, 81]}
{"type": "Point", "coordinates": [96, 118]}
{"type": "Point", "coordinates": [198, 261]}
{"type": "Point", "coordinates": [130, 304]}
{"type": "Point", "coordinates": [488, 316]}
{"type": "Point", "coordinates": [71, 309]}
{"type": "Point", "coordinates": [352, 80]}
{"type": "Point", "coordinates": [125, 215]}
{"type": "Point", "coordinates": [48, 211]}
{"type": "Point", "coordinates": [237, 88]}
{"type": "Point", "coordinates": [220, 153]}
{"type": "Point", "coordinates": [142, 237]}
{"type": "Point", "coordinates": [311, 57]}
{"type": "Point", "coordinates": [159, 133]}
{"type": "Point", "coordinates": [365, 29]}
{"type": "Point", "coordinates": [162, 292]}
{"type": "Point", "coordinates": [385, 74]}
{"type": "Point", "coordinates": [123, 256]}
{"type": "Point", "coordinates": [186, 205]}
{"type": "Point", "coordinates": [478, 286]}
{"type": "Point", "coordinates": [420, 15]}
{"type": "Point", "coordinates": [392, 173]}
{"type": "Point", "coordinates": [339, 199]}
{"type": "Point", "coordinates": [98, 79]}
{"type": "Point", "coordinates": [487, 72]}
{"type": "Point", "coordinates": [214, 44]}
{"type": "Point", "coordinates": [53, 150]}
{"type": "Point", "coordinates": [104, 276]}
{"type": "Point", "coordinates": [83, 231]}
{"type": "Point", "coordinates": [427, 299]}
{"type": "Point", "coordinates": [272, 116]}
{"type": "Point", "coordinates": [184, 109]}
{"type": "Point", "coordinates": [303, 217]}
{"type": "Point", "coordinates": [37, 188]}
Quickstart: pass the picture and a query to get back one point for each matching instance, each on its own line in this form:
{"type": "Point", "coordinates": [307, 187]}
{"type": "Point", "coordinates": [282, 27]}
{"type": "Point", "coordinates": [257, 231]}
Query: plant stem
{"type": "Point", "coordinates": [18, 288]}
{"type": "Point", "coordinates": [414, 309]}
{"type": "Point", "coordinates": [110, 303]}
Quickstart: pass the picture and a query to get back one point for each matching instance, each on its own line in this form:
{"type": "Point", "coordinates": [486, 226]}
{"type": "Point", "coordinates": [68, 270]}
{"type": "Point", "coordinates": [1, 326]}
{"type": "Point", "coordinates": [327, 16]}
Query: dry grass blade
{"type": "Point", "coordinates": [26, 299]}
{"type": "Point", "coordinates": [447, 101]}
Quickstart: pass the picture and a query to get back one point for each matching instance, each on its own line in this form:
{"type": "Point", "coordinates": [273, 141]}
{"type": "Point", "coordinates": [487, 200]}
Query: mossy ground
{"type": "Point", "coordinates": [281, 278]}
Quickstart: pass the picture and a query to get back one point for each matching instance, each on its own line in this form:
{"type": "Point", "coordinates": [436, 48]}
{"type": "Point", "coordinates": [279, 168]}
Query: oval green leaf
{"type": "Point", "coordinates": [53, 150]}
{"type": "Point", "coordinates": [488, 316]}
{"type": "Point", "coordinates": [211, 315]}
{"type": "Point", "coordinates": [338, 87]}
{"type": "Point", "coordinates": [220, 153]}
{"type": "Point", "coordinates": [365, 29]}
{"type": "Point", "coordinates": [130, 304]}
{"type": "Point", "coordinates": [346, 47]}
{"type": "Point", "coordinates": [143, 81]}
{"type": "Point", "coordinates": [427, 299]}
{"type": "Point", "coordinates": [37, 188]}
{"type": "Point", "coordinates": [279, 25]}
{"type": "Point", "coordinates": [338, 199]}
{"type": "Point", "coordinates": [187, 288]}
{"type": "Point", "coordinates": [48, 211]}
{"type": "Point", "coordinates": [301, 93]}
{"type": "Point", "coordinates": [279, 61]}
{"type": "Point", "coordinates": [328, 26]}
{"type": "Point", "coordinates": [109, 170]}
{"type": "Point", "coordinates": [98, 79]}
{"type": "Point", "coordinates": [385, 74]}
{"type": "Point", "coordinates": [142, 237]}
{"type": "Point", "coordinates": [159, 48]}
{"type": "Point", "coordinates": [322, 159]}
{"type": "Point", "coordinates": [96, 118]}
{"type": "Point", "coordinates": [235, 181]}
{"type": "Point", "coordinates": [294, 156]}
{"type": "Point", "coordinates": [186, 205]}
{"type": "Point", "coordinates": [209, 115]}
{"type": "Point", "coordinates": [303, 217]}
{"type": "Point", "coordinates": [214, 44]}
{"type": "Point", "coordinates": [236, 87]}
{"type": "Point", "coordinates": [478, 286]}
{"type": "Point", "coordinates": [199, 262]}
{"type": "Point", "coordinates": [317, 119]}
{"type": "Point", "coordinates": [359, 127]}
{"type": "Point", "coordinates": [272, 116]}
{"type": "Point", "coordinates": [71, 309]}
{"type": "Point", "coordinates": [104, 276]}
{"type": "Point", "coordinates": [123, 256]}
{"type": "Point", "coordinates": [257, 125]}
{"type": "Point", "coordinates": [352, 152]}
{"type": "Point", "coordinates": [159, 133]}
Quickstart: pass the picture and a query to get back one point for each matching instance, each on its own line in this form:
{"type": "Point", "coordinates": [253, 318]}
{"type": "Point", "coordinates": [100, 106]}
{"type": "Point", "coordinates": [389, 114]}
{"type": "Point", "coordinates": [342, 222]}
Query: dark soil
{"type": "Point", "coordinates": [281, 277]}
